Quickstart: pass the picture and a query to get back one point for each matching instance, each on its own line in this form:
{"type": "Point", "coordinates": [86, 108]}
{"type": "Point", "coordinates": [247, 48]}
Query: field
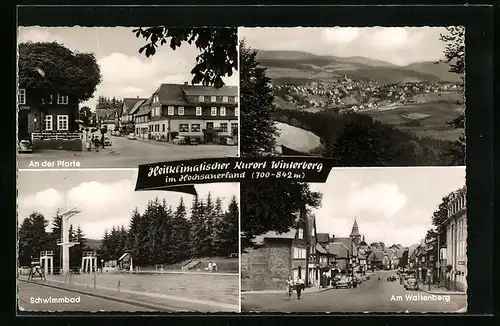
{"type": "Point", "coordinates": [423, 119]}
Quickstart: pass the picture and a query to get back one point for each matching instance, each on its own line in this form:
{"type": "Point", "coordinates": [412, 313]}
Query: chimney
{"type": "Point", "coordinates": [186, 84]}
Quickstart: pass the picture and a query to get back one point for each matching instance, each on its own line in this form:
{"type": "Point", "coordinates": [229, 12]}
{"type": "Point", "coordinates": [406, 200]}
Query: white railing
{"type": "Point", "coordinates": [55, 136]}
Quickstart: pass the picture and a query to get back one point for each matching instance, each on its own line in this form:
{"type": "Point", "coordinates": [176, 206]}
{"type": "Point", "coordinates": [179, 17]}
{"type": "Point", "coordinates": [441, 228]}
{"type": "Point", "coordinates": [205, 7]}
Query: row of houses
{"type": "Point", "coordinates": [305, 253]}
{"type": "Point", "coordinates": [445, 262]}
{"type": "Point", "coordinates": [196, 111]}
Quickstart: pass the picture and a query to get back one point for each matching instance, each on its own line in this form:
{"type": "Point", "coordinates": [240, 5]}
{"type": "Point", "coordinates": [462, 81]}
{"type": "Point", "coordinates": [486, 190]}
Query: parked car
{"type": "Point", "coordinates": [391, 278]}
{"type": "Point", "coordinates": [194, 141]}
{"type": "Point", "coordinates": [25, 146]}
{"type": "Point", "coordinates": [131, 136]}
{"type": "Point", "coordinates": [107, 141]}
{"type": "Point", "coordinates": [179, 140]}
{"type": "Point", "coordinates": [342, 282]}
{"type": "Point", "coordinates": [411, 284]}
{"type": "Point", "coordinates": [227, 141]}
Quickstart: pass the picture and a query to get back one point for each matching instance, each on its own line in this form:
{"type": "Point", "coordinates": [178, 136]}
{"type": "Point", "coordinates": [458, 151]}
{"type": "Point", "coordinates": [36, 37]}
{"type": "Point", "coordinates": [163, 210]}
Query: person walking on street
{"type": "Point", "coordinates": [289, 286]}
{"type": "Point", "coordinates": [299, 284]}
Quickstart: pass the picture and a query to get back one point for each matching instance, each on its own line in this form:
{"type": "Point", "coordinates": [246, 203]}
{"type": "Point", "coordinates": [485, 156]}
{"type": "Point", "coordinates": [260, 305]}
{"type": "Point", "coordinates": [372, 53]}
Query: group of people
{"type": "Point", "coordinates": [298, 285]}
{"type": "Point", "coordinates": [212, 267]}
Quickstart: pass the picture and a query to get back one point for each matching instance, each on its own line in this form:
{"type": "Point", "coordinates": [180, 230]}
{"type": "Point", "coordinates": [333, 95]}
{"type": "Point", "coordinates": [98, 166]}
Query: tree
{"type": "Point", "coordinates": [180, 233]}
{"type": "Point", "coordinates": [227, 235]}
{"type": "Point", "coordinates": [258, 130]}
{"type": "Point", "coordinates": [137, 238]}
{"type": "Point", "coordinates": [33, 237]}
{"type": "Point", "coordinates": [218, 49]}
{"type": "Point", "coordinates": [85, 115]}
{"type": "Point", "coordinates": [198, 230]}
{"type": "Point", "coordinates": [47, 68]}
{"type": "Point", "coordinates": [455, 56]}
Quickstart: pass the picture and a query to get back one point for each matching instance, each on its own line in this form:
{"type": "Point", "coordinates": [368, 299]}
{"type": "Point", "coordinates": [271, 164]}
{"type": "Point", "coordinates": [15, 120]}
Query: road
{"type": "Point", "coordinates": [370, 296]}
{"type": "Point", "coordinates": [29, 293]}
{"type": "Point", "coordinates": [124, 153]}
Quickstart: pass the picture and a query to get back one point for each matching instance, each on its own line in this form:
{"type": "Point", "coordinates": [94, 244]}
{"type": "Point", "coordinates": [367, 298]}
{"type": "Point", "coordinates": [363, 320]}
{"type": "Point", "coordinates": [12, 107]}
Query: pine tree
{"type": "Point", "coordinates": [218, 216]}
{"type": "Point", "coordinates": [32, 238]}
{"type": "Point", "coordinates": [136, 238]}
{"type": "Point", "coordinates": [227, 230]}
{"type": "Point", "coordinates": [181, 246]}
{"type": "Point", "coordinates": [209, 220]}
{"type": "Point", "coordinates": [197, 228]}
{"type": "Point", "coordinates": [105, 243]}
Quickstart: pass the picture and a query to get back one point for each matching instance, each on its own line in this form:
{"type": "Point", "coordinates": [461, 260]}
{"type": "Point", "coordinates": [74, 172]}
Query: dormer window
{"type": "Point", "coordinates": [301, 234]}
{"type": "Point", "coordinates": [180, 110]}
{"type": "Point", "coordinates": [201, 98]}
{"type": "Point", "coordinates": [225, 99]}
{"type": "Point", "coordinates": [21, 96]}
{"type": "Point", "coordinates": [213, 99]}
{"type": "Point", "coordinates": [62, 99]}
{"type": "Point", "coordinates": [170, 110]}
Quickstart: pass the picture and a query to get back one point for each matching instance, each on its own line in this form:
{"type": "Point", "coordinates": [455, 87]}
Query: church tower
{"type": "Point", "coordinates": [355, 233]}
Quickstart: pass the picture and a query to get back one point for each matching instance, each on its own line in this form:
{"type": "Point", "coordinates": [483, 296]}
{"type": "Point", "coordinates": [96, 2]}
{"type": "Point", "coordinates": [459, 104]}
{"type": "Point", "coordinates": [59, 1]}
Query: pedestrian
{"type": "Point", "coordinates": [289, 286]}
{"type": "Point", "coordinates": [209, 266]}
{"type": "Point", "coordinates": [214, 267]}
{"type": "Point", "coordinates": [299, 284]}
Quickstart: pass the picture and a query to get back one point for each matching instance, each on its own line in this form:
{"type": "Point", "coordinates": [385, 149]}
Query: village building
{"type": "Point", "coordinates": [455, 265]}
{"type": "Point", "coordinates": [50, 122]}
{"type": "Point", "coordinates": [206, 113]}
{"type": "Point", "coordinates": [130, 108]}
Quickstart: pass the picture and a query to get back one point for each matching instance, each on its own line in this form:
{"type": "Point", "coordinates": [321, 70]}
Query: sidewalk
{"type": "Point", "coordinates": [306, 291]}
{"type": "Point", "coordinates": [439, 290]}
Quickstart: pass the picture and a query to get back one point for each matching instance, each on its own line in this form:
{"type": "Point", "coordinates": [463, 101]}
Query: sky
{"type": "Point", "coordinates": [106, 198]}
{"type": "Point", "coordinates": [125, 72]}
{"type": "Point", "coordinates": [392, 205]}
{"type": "Point", "coordinates": [397, 45]}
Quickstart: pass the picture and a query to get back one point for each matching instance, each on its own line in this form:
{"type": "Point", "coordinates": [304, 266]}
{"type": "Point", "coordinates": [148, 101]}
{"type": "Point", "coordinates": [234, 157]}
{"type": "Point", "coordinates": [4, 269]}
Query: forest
{"type": "Point", "coordinates": [159, 235]}
{"type": "Point", "coordinates": [355, 139]}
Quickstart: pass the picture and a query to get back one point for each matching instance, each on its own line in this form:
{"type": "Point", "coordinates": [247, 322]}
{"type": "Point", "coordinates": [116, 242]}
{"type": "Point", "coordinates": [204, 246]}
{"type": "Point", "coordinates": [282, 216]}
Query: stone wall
{"type": "Point", "coordinates": [279, 264]}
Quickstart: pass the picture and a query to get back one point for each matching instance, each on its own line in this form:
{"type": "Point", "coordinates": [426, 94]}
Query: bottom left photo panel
{"type": "Point", "coordinates": [88, 242]}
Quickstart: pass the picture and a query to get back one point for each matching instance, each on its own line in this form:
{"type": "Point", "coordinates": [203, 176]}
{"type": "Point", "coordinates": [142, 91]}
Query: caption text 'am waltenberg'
{"type": "Point", "coordinates": [305, 169]}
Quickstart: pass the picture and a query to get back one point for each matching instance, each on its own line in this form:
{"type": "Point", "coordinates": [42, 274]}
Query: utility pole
{"type": "Point", "coordinates": [303, 217]}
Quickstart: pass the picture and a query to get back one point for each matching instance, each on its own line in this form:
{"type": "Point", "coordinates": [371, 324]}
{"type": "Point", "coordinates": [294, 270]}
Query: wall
{"type": "Point", "coordinates": [70, 145]}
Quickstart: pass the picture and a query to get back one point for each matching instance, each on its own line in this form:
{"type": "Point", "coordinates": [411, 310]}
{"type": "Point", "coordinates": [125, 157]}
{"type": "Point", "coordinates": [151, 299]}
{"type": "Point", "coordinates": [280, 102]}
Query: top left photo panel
{"type": "Point", "coordinates": [119, 97]}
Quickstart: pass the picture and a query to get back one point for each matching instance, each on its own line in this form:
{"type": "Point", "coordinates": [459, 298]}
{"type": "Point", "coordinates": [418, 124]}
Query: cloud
{"type": "Point", "coordinates": [36, 35]}
{"type": "Point", "coordinates": [341, 35]}
{"type": "Point", "coordinates": [47, 198]}
{"type": "Point", "coordinates": [382, 198]}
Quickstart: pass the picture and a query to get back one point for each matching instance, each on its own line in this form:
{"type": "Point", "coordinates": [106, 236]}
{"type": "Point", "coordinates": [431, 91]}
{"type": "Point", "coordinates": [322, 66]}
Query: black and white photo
{"type": "Point", "coordinates": [87, 241]}
{"type": "Point", "coordinates": [371, 96]}
{"type": "Point", "coordinates": [379, 240]}
{"type": "Point", "coordinates": [101, 97]}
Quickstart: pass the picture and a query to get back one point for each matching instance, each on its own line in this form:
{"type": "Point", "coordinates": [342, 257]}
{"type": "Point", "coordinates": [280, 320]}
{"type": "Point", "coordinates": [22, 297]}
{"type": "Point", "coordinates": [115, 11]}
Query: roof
{"type": "Point", "coordinates": [322, 237]}
{"type": "Point", "coordinates": [338, 249]}
{"type": "Point", "coordinates": [376, 255]}
{"type": "Point", "coordinates": [171, 94]}
{"type": "Point", "coordinates": [136, 106]}
{"type": "Point", "coordinates": [123, 256]}
{"type": "Point", "coordinates": [195, 90]}
{"type": "Point", "coordinates": [274, 235]}
{"type": "Point", "coordinates": [320, 249]}
{"type": "Point", "coordinates": [129, 103]}
{"type": "Point", "coordinates": [349, 243]}
{"type": "Point", "coordinates": [400, 252]}
{"type": "Point", "coordinates": [144, 108]}
{"type": "Point", "coordinates": [391, 253]}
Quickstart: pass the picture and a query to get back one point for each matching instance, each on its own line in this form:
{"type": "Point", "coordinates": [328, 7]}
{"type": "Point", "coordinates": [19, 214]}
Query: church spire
{"type": "Point", "coordinates": [355, 229]}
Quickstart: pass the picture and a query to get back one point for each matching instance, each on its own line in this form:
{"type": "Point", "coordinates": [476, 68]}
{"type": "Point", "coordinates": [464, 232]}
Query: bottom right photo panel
{"type": "Point", "coordinates": [366, 240]}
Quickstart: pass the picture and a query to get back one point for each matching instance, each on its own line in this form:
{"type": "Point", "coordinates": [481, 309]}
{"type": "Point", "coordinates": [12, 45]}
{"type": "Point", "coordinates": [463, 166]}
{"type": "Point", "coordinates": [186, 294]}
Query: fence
{"type": "Point", "coordinates": [55, 136]}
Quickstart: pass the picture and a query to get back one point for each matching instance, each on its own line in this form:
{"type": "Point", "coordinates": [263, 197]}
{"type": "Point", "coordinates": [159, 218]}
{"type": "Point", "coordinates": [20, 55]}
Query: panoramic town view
{"type": "Point", "coordinates": [89, 242]}
{"type": "Point", "coordinates": [122, 104]}
{"type": "Point", "coordinates": [394, 95]}
{"type": "Point", "coordinates": [378, 240]}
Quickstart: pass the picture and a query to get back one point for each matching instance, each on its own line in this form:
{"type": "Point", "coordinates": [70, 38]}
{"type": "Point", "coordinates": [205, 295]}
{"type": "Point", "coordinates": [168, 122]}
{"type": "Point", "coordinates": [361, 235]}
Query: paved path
{"type": "Point", "coordinates": [35, 297]}
{"type": "Point", "coordinates": [370, 296]}
{"type": "Point", "coordinates": [125, 153]}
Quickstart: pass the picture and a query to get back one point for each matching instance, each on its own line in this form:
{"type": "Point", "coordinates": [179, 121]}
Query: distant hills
{"type": "Point", "coordinates": [300, 67]}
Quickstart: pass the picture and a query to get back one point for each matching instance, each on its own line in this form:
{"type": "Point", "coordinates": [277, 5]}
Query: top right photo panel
{"type": "Point", "coordinates": [364, 97]}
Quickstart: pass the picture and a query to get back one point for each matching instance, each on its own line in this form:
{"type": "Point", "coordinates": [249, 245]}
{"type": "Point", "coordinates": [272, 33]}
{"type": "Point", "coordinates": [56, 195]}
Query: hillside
{"type": "Point", "coordinates": [288, 65]}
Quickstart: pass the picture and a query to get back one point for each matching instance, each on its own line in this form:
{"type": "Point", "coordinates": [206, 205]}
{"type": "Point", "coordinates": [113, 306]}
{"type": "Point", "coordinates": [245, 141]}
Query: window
{"type": "Point", "coordinates": [225, 99]}
{"type": "Point", "coordinates": [21, 96]}
{"type": "Point", "coordinates": [195, 127]}
{"type": "Point", "coordinates": [223, 127]}
{"type": "Point", "coordinates": [62, 99]}
{"type": "Point", "coordinates": [180, 110]}
{"type": "Point", "coordinates": [299, 253]}
{"type": "Point", "coordinates": [157, 99]}
{"type": "Point", "coordinates": [236, 111]}
{"type": "Point", "coordinates": [223, 111]}
{"type": "Point", "coordinates": [234, 126]}
{"type": "Point", "coordinates": [213, 99]}
{"type": "Point", "coordinates": [201, 98]}
{"type": "Point", "coordinates": [198, 110]}
{"type": "Point", "coordinates": [62, 122]}
{"type": "Point", "coordinates": [163, 127]}
{"type": "Point", "coordinates": [170, 110]}
{"type": "Point", "coordinates": [301, 234]}
{"type": "Point", "coordinates": [183, 127]}
{"type": "Point", "coordinates": [48, 122]}
{"type": "Point", "coordinates": [236, 99]}
{"type": "Point", "coordinates": [213, 111]}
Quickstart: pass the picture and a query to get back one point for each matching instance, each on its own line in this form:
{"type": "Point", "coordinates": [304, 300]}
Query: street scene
{"type": "Point", "coordinates": [379, 240]}
{"type": "Point", "coordinates": [89, 242]}
{"type": "Point", "coordinates": [362, 96]}
{"type": "Point", "coordinates": [124, 104]}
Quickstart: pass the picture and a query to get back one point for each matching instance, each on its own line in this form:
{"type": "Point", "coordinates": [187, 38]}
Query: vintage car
{"type": "Point", "coordinates": [227, 141]}
{"type": "Point", "coordinates": [342, 282]}
{"type": "Point", "coordinates": [391, 278]}
{"type": "Point", "coordinates": [25, 146]}
{"type": "Point", "coordinates": [179, 140]}
{"type": "Point", "coordinates": [131, 136]}
{"type": "Point", "coordinates": [411, 284]}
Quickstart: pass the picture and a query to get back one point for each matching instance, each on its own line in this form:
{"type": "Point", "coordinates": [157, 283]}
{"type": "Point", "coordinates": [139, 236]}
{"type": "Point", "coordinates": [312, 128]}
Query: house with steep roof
{"type": "Point", "coordinates": [126, 118]}
{"type": "Point", "coordinates": [141, 119]}
{"type": "Point", "coordinates": [206, 113]}
{"type": "Point", "coordinates": [376, 259]}
{"type": "Point", "coordinates": [277, 256]}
